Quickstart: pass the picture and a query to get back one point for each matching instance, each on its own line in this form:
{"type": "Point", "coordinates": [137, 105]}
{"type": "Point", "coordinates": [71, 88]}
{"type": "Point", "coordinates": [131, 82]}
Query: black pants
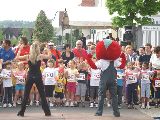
{"type": "Point", "coordinates": [7, 95]}
{"type": "Point", "coordinates": [39, 83]}
{"type": "Point", "coordinates": [132, 93]}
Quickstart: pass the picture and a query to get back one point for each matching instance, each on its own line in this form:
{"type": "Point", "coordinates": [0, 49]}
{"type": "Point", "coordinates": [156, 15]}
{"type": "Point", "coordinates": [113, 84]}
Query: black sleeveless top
{"type": "Point", "coordinates": [34, 69]}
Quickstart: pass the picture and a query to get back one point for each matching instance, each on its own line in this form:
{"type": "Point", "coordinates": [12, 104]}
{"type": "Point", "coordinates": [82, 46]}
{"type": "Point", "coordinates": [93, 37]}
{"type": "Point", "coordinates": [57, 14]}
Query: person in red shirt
{"type": "Point", "coordinates": [54, 52]}
{"type": "Point", "coordinates": [156, 86]}
{"type": "Point", "coordinates": [23, 49]}
{"type": "Point", "coordinates": [79, 52]}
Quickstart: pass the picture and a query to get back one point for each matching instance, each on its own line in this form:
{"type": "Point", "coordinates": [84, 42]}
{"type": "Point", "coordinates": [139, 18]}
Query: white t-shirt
{"type": "Point", "coordinates": [7, 74]}
{"type": "Point", "coordinates": [155, 61]}
{"type": "Point", "coordinates": [72, 74]}
{"type": "Point", "coordinates": [104, 64]}
{"type": "Point", "coordinates": [20, 77]}
{"type": "Point", "coordinates": [95, 77]}
{"type": "Point", "coordinates": [49, 75]}
{"type": "Point", "coordinates": [145, 74]}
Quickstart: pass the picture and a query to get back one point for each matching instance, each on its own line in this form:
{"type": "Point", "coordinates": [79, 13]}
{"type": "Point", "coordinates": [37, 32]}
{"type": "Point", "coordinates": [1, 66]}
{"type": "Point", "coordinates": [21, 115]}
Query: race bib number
{"type": "Point", "coordinates": [132, 79]}
{"type": "Point", "coordinates": [145, 77]}
{"type": "Point", "coordinates": [96, 76]}
{"type": "Point", "coordinates": [157, 83]}
{"type": "Point", "coordinates": [71, 77]}
{"type": "Point", "coordinates": [20, 80]}
{"type": "Point", "coordinates": [119, 75]}
{"type": "Point", "coordinates": [60, 85]}
{"type": "Point", "coordinates": [49, 75]}
{"type": "Point", "coordinates": [81, 76]}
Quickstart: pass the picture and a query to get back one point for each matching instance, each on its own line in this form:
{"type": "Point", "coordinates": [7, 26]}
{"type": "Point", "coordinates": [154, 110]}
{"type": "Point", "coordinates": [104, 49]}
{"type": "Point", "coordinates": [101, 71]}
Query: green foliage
{"type": "Point", "coordinates": [1, 35]}
{"type": "Point", "coordinates": [26, 33]}
{"type": "Point", "coordinates": [43, 28]}
{"type": "Point", "coordinates": [14, 41]}
{"type": "Point", "coordinates": [16, 24]}
{"type": "Point", "coordinates": [132, 12]}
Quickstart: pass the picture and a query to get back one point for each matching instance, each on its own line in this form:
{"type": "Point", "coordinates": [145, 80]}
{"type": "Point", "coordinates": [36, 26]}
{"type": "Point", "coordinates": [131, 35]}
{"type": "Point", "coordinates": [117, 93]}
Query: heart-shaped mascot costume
{"type": "Point", "coordinates": [109, 57]}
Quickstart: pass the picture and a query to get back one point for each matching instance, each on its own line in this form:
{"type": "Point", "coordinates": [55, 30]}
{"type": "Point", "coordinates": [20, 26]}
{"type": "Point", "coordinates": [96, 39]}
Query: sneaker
{"type": "Point", "coordinates": [91, 105]}
{"type": "Point", "coordinates": [71, 104]}
{"type": "Point", "coordinates": [96, 105]}
{"type": "Point", "coordinates": [19, 102]}
{"type": "Point", "coordinates": [9, 105]}
{"type": "Point", "coordinates": [130, 106]}
{"type": "Point", "coordinates": [143, 106]}
{"type": "Point", "coordinates": [108, 104]}
{"type": "Point", "coordinates": [14, 104]}
{"type": "Point", "coordinates": [37, 103]}
{"type": "Point", "coordinates": [156, 105]}
{"type": "Point", "coordinates": [4, 105]}
{"type": "Point", "coordinates": [148, 107]}
{"type": "Point", "coordinates": [31, 103]}
{"type": "Point", "coordinates": [67, 104]}
{"type": "Point", "coordinates": [51, 104]}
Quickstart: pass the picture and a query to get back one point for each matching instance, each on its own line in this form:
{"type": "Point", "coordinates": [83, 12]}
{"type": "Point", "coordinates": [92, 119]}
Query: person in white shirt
{"type": "Point", "coordinates": [50, 75]}
{"type": "Point", "coordinates": [7, 85]}
{"type": "Point", "coordinates": [145, 85]}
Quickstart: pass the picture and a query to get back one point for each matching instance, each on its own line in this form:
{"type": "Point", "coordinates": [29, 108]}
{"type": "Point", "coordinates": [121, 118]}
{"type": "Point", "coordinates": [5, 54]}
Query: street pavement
{"type": "Point", "coordinates": [78, 113]}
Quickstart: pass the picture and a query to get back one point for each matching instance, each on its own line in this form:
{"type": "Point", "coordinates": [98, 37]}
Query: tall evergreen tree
{"type": "Point", "coordinates": [132, 12]}
{"type": "Point", "coordinates": [43, 28]}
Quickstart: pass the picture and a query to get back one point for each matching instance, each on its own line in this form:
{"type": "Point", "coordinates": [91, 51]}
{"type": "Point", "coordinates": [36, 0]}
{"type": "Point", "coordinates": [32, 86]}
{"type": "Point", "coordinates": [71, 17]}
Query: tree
{"type": "Point", "coordinates": [26, 33]}
{"type": "Point", "coordinates": [43, 28]}
{"type": "Point", "coordinates": [132, 12]}
{"type": "Point", "coordinates": [1, 35]}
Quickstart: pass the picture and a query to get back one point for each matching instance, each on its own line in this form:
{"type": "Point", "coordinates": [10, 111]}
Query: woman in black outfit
{"type": "Point", "coordinates": [34, 76]}
{"type": "Point", "coordinates": [67, 55]}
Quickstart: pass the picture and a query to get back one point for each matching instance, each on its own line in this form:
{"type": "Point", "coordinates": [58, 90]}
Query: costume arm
{"type": "Point", "coordinates": [123, 61]}
{"type": "Point", "coordinates": [90, 62]}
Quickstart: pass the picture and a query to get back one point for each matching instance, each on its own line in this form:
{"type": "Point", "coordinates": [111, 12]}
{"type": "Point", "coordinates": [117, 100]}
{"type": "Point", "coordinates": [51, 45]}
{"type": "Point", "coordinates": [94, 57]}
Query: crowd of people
{"type": "Point", "coordinates": [69, 81]}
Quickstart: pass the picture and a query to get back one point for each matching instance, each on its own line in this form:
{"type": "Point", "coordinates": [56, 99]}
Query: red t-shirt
{"type": "Point", "coordinates": [24, 51]}
{"type": "Point", "coordinates": [80, 53]}
{"type": "Point", "coordinates": [56, 53]}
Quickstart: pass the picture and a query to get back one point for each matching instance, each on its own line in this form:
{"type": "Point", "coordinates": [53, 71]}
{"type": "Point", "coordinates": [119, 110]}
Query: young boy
{"type": "Point", "coordinates": [81, 85]}
{"type": "Point", "coordinates": [7, 85]}
{"type": "Point", "coordinates": [50, 76]}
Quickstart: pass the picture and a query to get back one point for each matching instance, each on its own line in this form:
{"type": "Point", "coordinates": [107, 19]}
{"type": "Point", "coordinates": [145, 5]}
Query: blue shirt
{"type": "Point", "coordinates": [6, 55]}
{"type": "Point", "coordinates": [120, 78]}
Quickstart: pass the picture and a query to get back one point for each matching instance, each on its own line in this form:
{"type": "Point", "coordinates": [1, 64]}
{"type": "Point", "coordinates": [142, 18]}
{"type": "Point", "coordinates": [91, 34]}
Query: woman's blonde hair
{"type": "Point", "coordinates": [34, 51]}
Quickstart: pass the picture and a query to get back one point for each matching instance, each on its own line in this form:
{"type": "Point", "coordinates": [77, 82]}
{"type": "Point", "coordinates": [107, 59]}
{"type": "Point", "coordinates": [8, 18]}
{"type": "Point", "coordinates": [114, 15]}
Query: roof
{"type": "Point", "coordinates": [89, 17]}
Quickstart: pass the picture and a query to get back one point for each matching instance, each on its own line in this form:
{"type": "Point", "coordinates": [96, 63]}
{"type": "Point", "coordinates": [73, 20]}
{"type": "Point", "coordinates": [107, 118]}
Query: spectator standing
{"type": "Point", "coordinates": [23, 49]}
{"type": "Point", "coordinates": [79, 52]}
{"type": "Point", "coordinates": [67, 55]}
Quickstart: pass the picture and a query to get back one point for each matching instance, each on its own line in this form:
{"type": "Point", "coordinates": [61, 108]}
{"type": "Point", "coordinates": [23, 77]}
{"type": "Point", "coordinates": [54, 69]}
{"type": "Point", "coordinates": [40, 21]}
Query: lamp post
{"type": "Point", "coordinates": [65, 23]}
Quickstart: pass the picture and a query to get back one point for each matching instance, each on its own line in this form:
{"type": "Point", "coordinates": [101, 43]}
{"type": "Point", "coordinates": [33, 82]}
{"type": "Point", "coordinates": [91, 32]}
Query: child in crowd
{"type": "Point", "coordinates": [94, 84]}
{"type": "Point", "coordinates": [60, 88]}
{"type": "Point", "coordinates": [81, 85]}
{"type": "Point", "coordinates": [131, 75]}
{"type": "Point", "coordinates": [71, 74]}
{"type": "Point", "coordinates": [145, 85]}
{"type": "Point", "coordinates": [156, 86]}
{"type": "Point", "coordinates": [50, 79]}
{"type": "Point", "coordinates": [120, 83]}
{"type": "Point", "coordinates": [20, 76]}
{"type": "Point", "coordinates": [34, 95]}
{"type": "Point", "coordinates": [7, 84]}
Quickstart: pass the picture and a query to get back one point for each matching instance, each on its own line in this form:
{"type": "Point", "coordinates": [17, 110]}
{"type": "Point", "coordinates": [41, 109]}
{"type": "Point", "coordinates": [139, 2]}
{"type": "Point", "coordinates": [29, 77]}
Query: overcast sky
{"type": "Point", "coordinates": [29, 9]}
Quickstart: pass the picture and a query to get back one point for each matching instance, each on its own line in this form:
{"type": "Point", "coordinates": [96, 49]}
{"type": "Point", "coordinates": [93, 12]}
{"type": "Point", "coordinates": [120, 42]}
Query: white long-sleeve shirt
{"type": "Point", "coordinates": [104, 64]}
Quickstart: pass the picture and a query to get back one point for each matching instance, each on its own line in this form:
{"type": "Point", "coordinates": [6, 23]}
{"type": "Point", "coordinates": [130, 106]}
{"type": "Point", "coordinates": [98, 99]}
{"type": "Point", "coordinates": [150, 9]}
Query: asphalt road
{"type": "Point", "coordinates": [77, 113]}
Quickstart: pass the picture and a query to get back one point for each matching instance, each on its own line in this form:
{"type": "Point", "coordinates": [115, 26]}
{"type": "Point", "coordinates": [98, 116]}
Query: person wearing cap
{"type": "Point", "coordinates": [54, 51]}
